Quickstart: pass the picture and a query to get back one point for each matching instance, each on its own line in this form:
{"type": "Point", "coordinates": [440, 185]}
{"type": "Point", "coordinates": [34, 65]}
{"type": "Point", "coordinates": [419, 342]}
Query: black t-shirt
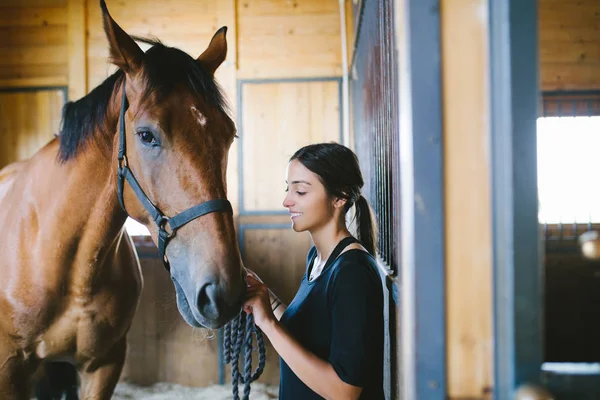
{"type": "Point", "coordinates": [339, 317]}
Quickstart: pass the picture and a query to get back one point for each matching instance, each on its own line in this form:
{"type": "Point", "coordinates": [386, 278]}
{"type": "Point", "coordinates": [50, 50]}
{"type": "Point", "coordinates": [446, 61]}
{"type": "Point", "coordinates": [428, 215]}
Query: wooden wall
{"type": "Point", "coordinates": [33, 43]}
{"type": "Point", "coordinates": [569, 39]}
{"type": "Point", "coordinates": [35, 115]}
{"type": "Point", "coordinates": [288, 38]}
{"type": "Point", "coordinates": [161, 348]}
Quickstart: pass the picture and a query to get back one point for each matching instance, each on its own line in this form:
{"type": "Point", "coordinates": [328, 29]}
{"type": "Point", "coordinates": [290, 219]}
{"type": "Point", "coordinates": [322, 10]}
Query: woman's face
{"type": "Point", "coordinates": [306, 199]}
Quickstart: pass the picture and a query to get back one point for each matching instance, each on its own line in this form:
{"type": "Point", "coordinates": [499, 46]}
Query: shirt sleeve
{"type": "Point", "coordinates": [357, 323]}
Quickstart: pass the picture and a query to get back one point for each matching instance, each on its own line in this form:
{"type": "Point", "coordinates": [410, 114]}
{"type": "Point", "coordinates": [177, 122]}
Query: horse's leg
{"type": "Point", "coordinates": [100, 376]}
{"type": "Point", "coordinates": [15, 375]}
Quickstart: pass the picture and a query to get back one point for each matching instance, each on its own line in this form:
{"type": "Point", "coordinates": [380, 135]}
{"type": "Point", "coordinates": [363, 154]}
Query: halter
{"type": "Point", "coordinates": [239, 331]}
{"type": "Point", "coordinates": [161, 221]}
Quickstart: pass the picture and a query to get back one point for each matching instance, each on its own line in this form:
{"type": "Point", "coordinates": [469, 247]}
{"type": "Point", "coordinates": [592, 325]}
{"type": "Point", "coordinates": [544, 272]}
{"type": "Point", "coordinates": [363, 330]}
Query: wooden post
{"type": "Point", "coordinates": [469, 267]}
{"type": "Point", "coordinates": [76, 37]}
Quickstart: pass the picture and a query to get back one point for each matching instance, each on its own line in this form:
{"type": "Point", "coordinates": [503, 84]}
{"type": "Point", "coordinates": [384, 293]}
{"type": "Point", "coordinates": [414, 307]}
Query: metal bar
{"type": "Point", "coordinates": [518, 332]}
{"type": "Point", "coordinates": [423, 272]}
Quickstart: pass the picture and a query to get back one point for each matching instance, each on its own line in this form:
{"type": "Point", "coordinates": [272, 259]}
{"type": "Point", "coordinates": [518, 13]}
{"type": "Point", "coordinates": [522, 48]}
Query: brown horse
{"type": "Point", "coordinates": [70, 279]}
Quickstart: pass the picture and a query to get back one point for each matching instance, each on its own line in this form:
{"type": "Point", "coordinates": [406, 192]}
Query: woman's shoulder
{"type": "Point", "coordinates": [356, 264]}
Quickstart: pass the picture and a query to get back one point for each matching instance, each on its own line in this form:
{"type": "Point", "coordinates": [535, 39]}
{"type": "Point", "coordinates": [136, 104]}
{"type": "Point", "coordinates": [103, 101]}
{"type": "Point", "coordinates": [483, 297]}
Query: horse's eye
{"type": "Point", "coordinates": [147, 137]}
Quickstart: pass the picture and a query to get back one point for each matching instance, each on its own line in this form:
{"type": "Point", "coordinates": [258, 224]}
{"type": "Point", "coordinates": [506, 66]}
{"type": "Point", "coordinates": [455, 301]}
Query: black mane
{"type": "Point", "coordinates": [164, 69]}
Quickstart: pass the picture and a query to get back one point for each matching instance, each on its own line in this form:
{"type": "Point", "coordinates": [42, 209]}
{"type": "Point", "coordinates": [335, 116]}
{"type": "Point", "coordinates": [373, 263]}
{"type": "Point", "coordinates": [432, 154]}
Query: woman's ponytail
{"type": "Point", "coordinates": [366, 225]}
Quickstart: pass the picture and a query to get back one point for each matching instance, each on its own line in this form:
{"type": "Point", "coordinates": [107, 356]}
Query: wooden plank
{"type": "Point", "coordinates": [32, 3]}
{"type": "Point", "coordinates": [33, 82]}
{"type": "Point", "coordinates": [33, 55]}
{"type": "Point", "coordinates": [286, 69]}
{"type": "Point", "coordinates": [32, 16]}
{"type": "Point", "coordinates": [548, 35]}
{"type": "Point", "coordinates": [76, 49]}
{"type": "Point", "coordinates": [315, 48]}
{"type": "Point", "coordinates": [574, 9]}
{"type": "Point", "coordinates": [293, 7]}
{"type": "Point", "coordinates": [33, 71]}
{"type": "Point", "coordinates": [468, 222]}
{"type": "Point", "coordinates": [165, 32]}
{"type": "Point", "coordinates": [573, 52]}
{"type": "Point", "coordinates": [287, 25]}
{"type": "Point", "coordinates": [570, 76]}
{"type": "Point", "coordinates": [31, 36]}
{"type": "Point", "coordinates": [168, 10]}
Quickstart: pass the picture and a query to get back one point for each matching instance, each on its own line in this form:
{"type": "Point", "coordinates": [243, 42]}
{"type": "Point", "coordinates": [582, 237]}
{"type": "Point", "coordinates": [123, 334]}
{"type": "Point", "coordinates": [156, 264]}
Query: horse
{"type": "Point", "coordinates": [150, 142]}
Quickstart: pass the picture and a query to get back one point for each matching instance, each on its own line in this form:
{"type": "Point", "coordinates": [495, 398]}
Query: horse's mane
{"type": "Point", "coordinates": [164, 69]}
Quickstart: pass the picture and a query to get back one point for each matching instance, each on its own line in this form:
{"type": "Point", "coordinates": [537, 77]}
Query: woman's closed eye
{"type": "Point", "coordinates": [299, 193]}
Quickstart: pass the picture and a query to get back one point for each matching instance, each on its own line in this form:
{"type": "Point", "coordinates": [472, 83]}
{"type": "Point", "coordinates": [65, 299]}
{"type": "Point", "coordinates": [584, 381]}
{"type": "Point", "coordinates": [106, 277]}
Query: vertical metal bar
{"type": "Point", "coordinates": [589, 106]}
{"type": "Point", "coordinates": [422, 273]}
{"type": "Point", "coordinates": [518, 331]}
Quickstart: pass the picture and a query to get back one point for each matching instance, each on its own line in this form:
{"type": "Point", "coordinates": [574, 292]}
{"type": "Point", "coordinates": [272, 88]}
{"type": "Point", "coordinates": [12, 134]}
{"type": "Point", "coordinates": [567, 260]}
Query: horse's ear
{"type": "Point", "coordinates": [215, 53]}
{"type": "Point", "coordinates": [124, 52]}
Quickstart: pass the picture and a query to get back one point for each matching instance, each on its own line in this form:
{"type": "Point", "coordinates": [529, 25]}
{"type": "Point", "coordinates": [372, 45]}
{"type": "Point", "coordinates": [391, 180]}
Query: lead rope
{"type": "Point", "coordinates": [237, 334]}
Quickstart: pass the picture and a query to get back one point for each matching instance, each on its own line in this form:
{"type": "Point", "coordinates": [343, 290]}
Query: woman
{"type": "Point", "coordinates": [330, 337]}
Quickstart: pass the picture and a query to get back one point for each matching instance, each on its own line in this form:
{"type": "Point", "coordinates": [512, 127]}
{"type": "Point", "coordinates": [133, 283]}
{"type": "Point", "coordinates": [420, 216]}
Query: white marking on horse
{"type": "Point", "coordinates": [199, 116]}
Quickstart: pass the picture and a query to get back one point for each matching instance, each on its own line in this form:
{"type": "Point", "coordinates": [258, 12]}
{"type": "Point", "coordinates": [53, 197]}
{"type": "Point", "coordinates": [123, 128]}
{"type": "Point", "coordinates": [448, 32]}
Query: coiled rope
{"type": "Point", "coordinates": [237, 335]}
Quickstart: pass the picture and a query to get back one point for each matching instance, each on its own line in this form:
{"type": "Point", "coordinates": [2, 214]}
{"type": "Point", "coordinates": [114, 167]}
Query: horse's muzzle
{"type": "Point", "coordinates": [211, 306]}
{"type": "Point", "coordinates": [214, 302]}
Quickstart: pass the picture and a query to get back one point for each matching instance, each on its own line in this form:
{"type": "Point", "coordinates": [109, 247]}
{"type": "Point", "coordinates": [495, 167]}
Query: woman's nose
{"type": "Point", "coordinates": [287, 202]}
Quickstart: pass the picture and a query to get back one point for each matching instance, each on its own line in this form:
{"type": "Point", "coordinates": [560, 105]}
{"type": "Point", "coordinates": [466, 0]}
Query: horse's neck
{"type": "Point", "coordinates": [79, 210]}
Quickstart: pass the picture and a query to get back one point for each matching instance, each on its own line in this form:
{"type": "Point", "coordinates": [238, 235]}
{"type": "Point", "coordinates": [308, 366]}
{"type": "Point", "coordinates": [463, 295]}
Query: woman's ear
{"type": "Point", "coordinates": [339, 203]}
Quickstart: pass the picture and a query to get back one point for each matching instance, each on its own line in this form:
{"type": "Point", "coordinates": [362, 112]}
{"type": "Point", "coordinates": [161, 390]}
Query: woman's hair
{"type": "Point", "coordinates": [339, 171]}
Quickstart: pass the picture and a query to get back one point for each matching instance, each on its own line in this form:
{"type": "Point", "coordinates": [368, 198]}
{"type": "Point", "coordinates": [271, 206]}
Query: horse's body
{"type": "Point", "coordinates": [69, 276]}
{"type": "Point", "coordinates": [70, 280]}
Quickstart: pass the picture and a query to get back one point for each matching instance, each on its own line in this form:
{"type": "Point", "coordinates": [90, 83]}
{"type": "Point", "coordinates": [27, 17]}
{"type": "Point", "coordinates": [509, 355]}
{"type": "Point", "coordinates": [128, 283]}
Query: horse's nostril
{"type": "Point", "coordinates": [208, 301]}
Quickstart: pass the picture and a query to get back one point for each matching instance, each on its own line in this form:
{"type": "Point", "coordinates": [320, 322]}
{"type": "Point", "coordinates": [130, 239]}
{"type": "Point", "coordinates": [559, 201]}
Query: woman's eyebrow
{"type": "Point", "coordinates": [296, 182]}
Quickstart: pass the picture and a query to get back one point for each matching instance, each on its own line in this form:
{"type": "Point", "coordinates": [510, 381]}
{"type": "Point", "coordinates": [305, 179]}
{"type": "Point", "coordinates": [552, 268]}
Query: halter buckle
{"type": "Point", "coordinates": [162, 223]}
{"type": "Point", "coordinates": [123, 162]}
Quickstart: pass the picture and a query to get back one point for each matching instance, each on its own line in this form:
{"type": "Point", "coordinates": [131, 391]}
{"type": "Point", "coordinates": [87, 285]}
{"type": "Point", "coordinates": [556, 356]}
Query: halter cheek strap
{"type": "Point", "coordinates": [164, 236]}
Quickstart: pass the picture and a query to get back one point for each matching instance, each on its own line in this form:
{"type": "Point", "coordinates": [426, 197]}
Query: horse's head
{"type": "Point", "coordinates": [178, 134]}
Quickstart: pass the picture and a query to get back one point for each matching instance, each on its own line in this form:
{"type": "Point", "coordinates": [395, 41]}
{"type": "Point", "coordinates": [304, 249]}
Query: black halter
{"type": "Point", "coordinates": [160, 219]}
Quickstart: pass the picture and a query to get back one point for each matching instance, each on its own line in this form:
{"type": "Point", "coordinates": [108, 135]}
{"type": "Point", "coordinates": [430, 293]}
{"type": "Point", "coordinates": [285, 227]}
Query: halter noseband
{"type": "Point", "coordinates": [161, 221]}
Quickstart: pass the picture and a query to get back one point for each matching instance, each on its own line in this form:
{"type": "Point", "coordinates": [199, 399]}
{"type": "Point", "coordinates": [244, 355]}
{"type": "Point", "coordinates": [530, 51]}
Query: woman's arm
{"type": "Point", "coordinates": [277, 305]}
{"type": "Point", "coordinates": [315, 372]}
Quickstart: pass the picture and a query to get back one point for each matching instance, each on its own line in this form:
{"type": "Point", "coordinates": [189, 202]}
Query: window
{"type": "Point", "coordinates": [568, 169]}
{"type": "Point", "coordinates": [134, 228]}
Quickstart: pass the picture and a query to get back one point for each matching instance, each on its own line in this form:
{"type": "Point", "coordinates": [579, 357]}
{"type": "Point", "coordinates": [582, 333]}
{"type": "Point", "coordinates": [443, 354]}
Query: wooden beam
{"type": "Point", "coordinates": [76, 49]}
{"type": "Point", "coordinates": [226, 15]}
{"type": "Point", "coordinates": [33, 82]}
{"type": "Point", "coordinates": [469, 266]}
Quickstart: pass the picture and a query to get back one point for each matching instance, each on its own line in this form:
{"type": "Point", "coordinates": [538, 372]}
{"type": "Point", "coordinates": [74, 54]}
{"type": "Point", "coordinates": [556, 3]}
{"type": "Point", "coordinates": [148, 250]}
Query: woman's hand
{"type": "Point", "coordinates": [251, 273]}
{"type": "Point", "coordinates": [257, 302]}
